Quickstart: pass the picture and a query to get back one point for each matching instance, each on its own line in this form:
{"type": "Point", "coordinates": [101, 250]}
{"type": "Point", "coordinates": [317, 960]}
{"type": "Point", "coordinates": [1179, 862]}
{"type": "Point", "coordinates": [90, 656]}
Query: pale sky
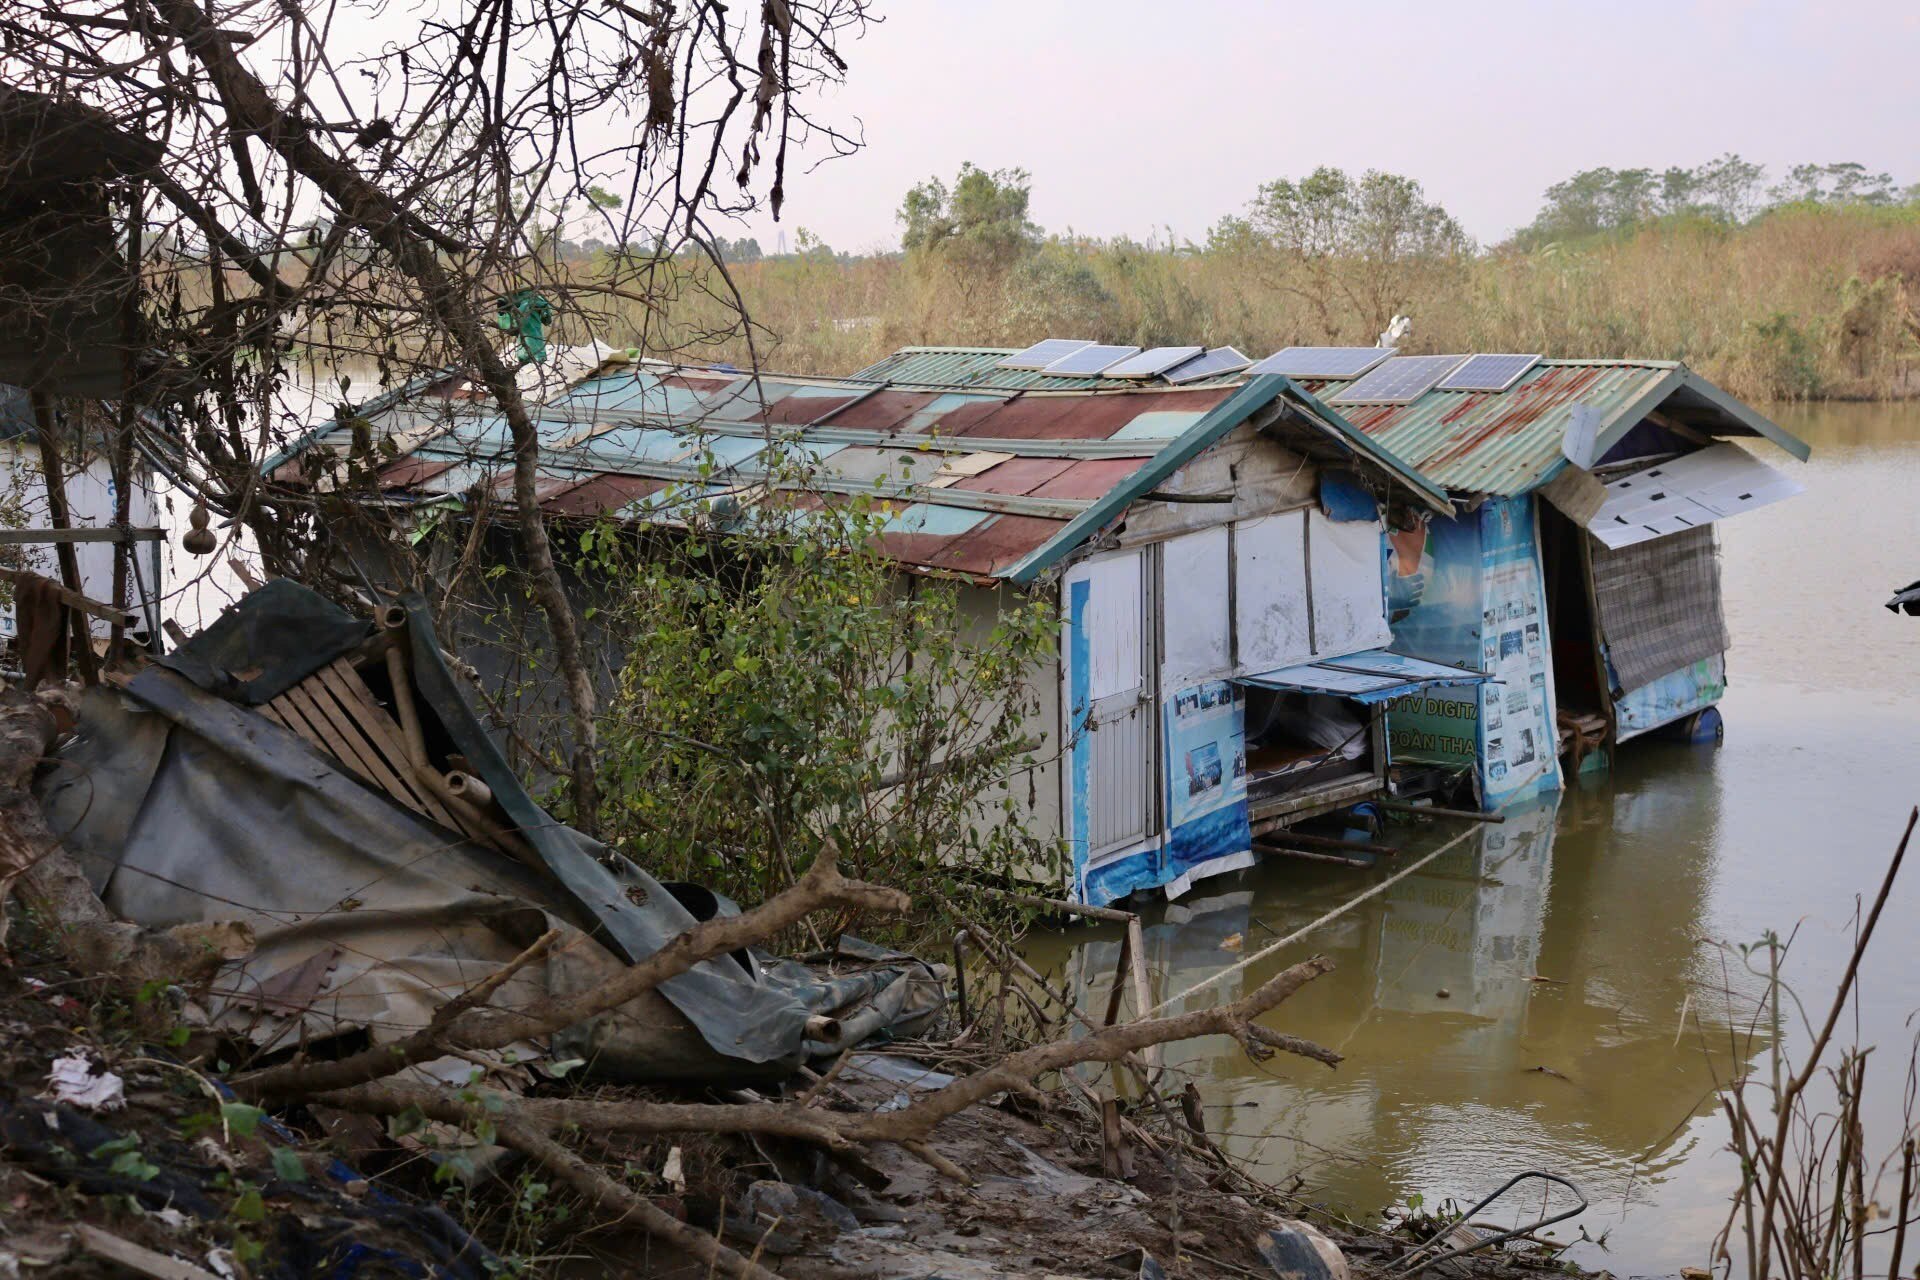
{"type": "Point", "coordinates": [1135, 116]}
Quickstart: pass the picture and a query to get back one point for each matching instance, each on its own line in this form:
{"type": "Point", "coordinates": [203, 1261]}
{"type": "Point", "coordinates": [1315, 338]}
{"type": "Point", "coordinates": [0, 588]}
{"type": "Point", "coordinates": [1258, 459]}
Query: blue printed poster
{"type": "Point", "coordinates": [1204, 727]}
{"type": "Point", "coordinates": [1470, 591]}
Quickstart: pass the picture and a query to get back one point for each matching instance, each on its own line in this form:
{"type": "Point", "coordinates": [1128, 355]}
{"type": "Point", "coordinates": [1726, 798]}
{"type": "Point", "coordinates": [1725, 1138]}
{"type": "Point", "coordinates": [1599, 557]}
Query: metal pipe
{"type": "Point", "coordinates": [1333, 858]}
{"type": "Point", "coordinates": [1434, 811]}
{"type": "Point", "coordinates": [409, 714]}
{"type": "Point", "coordinates": [1332, 842]}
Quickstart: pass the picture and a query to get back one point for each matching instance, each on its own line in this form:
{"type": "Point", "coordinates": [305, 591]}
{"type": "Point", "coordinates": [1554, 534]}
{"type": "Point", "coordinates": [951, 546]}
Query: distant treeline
{"type": "Point", "coordinates": [1801, 288]}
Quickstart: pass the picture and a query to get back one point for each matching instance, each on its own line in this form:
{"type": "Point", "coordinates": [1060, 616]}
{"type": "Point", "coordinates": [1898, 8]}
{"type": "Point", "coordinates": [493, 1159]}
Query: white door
{"type": "Point", "coordinates": [1110, 701]}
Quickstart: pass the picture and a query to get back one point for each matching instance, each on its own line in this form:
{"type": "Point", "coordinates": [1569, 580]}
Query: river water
{"type": "Point", "coordinates": [1561, 992]}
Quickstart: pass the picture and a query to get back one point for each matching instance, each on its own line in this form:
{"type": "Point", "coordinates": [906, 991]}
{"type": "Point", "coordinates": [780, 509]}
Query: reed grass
{"type": "Point", "coordinates": [1802, 303]}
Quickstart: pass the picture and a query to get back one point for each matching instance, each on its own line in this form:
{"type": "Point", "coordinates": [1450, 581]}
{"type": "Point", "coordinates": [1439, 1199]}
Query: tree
{"type": "Point", "coordinates": [1729, 187]}
{"type": "Point", "coordinates": [1595, 201]}
{"type": "Point", "coordinates": [980, 224]}
{"type": "Point", "coordinates": [1338, 239]}
{"type": "Point", "coordinates": [1847, 183]}
{"type": "Point", "coordinates": [432, 162]}
{"type": "Point", "coordinates": [1603, 201]}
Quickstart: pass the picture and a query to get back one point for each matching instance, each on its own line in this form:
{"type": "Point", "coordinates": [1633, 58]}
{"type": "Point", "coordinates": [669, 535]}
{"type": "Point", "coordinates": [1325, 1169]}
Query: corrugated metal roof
{"type": "Point", "coordinates": [1510, 442]}
{"type": "Point", "coordinates": [984, 483]}
{"type": "Point", "coordinates": [1504, 442]}
{"type": "Point", "coordinates": [978, 367]}
{"type": "Point", "coordinates": [995, 472]}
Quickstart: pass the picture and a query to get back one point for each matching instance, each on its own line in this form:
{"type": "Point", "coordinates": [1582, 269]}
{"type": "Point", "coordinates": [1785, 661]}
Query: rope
{"type": "Point", "coordinates": [1306, 929]}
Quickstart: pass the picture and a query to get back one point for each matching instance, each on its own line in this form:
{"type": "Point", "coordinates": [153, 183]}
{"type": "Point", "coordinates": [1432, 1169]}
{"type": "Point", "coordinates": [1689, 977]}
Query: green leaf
{"type": "Point", "coordinates": [132, 1164]}
{"type": "Point", "coordinates": [412, 1120]}
{"type": "Point", "coordinates": [249, 1207]}
{"type": "Point", "coordinates": [241, 1119]}
{"type": "Point", "coordinates": [287, 1166]}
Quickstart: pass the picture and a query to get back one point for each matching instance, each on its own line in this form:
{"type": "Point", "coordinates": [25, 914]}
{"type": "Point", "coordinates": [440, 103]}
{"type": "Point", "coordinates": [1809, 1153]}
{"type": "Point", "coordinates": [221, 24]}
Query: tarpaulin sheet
{"type": "Point", "coordinates": [1659, 605]}
{"type": "Point", "coordinates": [1374, 675]}
{"type": "Point", "coordinates": [184, 806]}
{"type": "Point", "coordinates": [272, 640]}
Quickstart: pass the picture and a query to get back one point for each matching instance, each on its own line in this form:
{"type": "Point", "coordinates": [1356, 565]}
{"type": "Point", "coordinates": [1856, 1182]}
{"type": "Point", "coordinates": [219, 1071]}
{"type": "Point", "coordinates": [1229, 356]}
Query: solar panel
{"type": "Point", "coordinates": [1215, 362]}
{"type": "Point", "coordinates": [1323, 362]}
{"type": "Point", "coordinates": [1088, 361]}
{"type": "Point", "coordinates": [1043, 353]}
{"type": "Point", "coordinates": [1400, 380]}
{"type": "Point", "coordinates": [1489, 373]}
{"type": "Point", "coordinates": [1148, 363]}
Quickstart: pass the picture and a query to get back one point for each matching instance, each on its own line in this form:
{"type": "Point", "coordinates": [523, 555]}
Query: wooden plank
{"type": "Point", "coordinates": [365, 757]}
{"type": "Point", "coordinates": [394, 776]}
{"type": "Point", "coordinates": [134, 1257]}
{"type": "Point", "coordinates": [74, 600]}
{"type": "Point", "coordinates": [295, 709]}
{"type": "Point", "coordinates": [328, 738]}
{"type": "Point", "coordinates": [283, 710]}
{"type": "Point", "coordinates": [45, 537]}
{"type": "Point", "coordinates": [385, 734]}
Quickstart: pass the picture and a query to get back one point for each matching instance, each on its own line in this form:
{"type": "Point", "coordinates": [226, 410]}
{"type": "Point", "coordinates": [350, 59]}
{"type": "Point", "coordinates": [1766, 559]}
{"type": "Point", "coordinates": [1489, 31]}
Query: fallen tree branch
{"type": "Point", "coordinates": [528, 1135]}
{"type": "Point", "coordinates": [527, 1124]}
{"type": "Point", "coordinates": [822, 887]}
{"type": "Point", "coordinates": [833, 1129]}
{"type": "Point", "coordinates": [779, 1120]}
{"type": "Point", "coordinates": [1107, 1045]}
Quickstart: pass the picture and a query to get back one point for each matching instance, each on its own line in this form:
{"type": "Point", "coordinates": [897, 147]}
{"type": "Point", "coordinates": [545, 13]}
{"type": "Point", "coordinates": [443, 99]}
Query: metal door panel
{"type": "Point", "coordinates": [1120, 807]}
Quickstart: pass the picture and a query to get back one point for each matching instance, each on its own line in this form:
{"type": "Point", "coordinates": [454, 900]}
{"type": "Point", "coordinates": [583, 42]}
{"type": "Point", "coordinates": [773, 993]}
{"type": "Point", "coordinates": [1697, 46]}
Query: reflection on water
{"type": "Point", "coordinates": [1519, 1002]}
{"type": "Point", "coordinates": [1512, 1005]}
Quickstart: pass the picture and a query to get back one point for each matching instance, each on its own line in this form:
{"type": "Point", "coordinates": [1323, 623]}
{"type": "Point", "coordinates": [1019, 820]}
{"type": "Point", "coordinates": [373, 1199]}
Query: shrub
{"type": "Point", "coordinates": [786, 684]}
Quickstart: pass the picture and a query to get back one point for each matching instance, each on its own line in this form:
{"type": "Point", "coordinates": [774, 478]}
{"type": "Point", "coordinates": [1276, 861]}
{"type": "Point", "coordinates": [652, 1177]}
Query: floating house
{"type": "Point", "coordinates": [1581, 570]}
{"type": "Point", "coordinates": [1212, 540]}
{"type": "Point", "coordinates": [1283, 591]}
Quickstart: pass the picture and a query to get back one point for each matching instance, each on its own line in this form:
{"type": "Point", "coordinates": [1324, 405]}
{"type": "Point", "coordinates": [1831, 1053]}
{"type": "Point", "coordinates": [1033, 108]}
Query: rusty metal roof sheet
{"type": "Point", "coordinates": [976, 482]}
{"type": "Point", "coordinates": [1510, 442]}
{"type": "Point", "coordinates": [979, 367]}
{"type": "Point", "coordinates": [992, 472]}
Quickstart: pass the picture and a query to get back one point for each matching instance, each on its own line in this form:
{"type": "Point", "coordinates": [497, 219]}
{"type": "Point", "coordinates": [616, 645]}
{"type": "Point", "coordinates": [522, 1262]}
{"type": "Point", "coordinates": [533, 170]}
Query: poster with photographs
{"type": "Point", "coordinates": [1206, 772]}
{"type": "Point", "coordinates": [1469, 591]}
{"type": "Point", "coordinates": [1518, 739]}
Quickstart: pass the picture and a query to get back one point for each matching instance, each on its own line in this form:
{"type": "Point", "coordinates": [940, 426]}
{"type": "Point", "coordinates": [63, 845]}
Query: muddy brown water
{"type": "Point", "coordinates": [1625, 894]}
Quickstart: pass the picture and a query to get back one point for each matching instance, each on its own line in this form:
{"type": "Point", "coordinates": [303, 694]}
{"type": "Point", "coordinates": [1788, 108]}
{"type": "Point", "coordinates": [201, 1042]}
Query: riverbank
{"type": "Point", "coordinates": [156, 1169]}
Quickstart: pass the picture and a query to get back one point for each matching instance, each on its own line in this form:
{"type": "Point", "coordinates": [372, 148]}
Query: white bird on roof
{"type": "Point", "coordinates": [1397, 329]}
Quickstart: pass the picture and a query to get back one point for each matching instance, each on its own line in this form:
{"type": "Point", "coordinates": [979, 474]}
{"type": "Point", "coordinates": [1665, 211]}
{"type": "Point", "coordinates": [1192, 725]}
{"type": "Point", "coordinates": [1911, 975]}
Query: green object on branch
{"type": "Point", "coordinates": [526, 313]}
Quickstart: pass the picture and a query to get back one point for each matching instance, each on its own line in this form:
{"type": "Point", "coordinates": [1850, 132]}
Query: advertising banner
{"type": "Point", "coordinates": [1674, 695]}
{"type": "Point", "coordinates": [1519, 741]}
{"type": "Point", "coordinates": [1204, 726]}
{"type": "Point", "coordinates": [1469, 591]}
